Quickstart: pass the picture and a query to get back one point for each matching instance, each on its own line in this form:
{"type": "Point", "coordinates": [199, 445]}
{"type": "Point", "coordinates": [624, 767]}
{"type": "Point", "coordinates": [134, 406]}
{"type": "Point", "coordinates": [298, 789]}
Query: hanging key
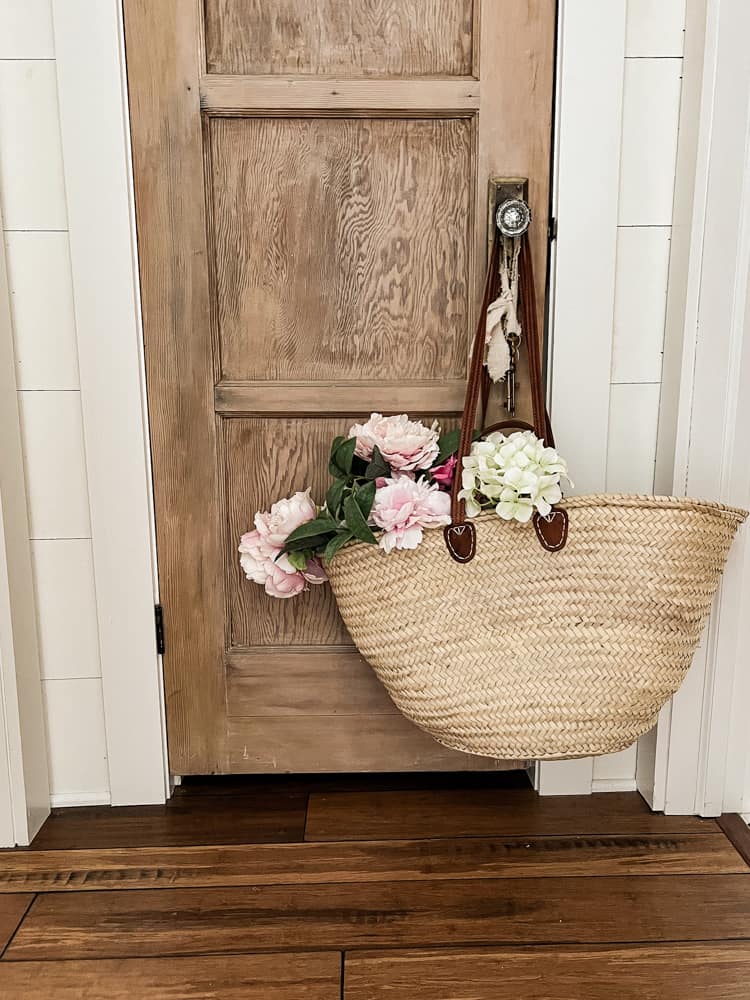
{"type": "Point", "coordinates": [513, 341]}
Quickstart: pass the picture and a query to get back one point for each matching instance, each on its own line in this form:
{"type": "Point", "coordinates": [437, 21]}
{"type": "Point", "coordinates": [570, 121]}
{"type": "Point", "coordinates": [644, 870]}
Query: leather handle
{"type": "Point", "coordinates": [460, 534]}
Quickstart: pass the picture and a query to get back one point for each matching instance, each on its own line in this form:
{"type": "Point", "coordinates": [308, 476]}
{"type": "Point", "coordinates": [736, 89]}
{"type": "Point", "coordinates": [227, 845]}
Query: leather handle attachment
{"type": "Point", "coordinates": [460, 534]}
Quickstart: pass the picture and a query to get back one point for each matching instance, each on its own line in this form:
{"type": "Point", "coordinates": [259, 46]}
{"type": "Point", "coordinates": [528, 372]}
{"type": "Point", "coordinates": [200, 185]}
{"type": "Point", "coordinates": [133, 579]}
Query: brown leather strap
{"type": "Point", "coordinates": [473, 387]}
{"type": "Point", "coordinates": [460, 535]}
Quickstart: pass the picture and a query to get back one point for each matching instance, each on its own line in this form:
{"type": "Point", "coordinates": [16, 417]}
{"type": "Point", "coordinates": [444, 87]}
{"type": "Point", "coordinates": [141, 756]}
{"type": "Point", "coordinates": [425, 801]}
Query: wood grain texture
{"type": "Point", "coordinates": [151, 922]}
{"type": "Point", "coordinates": [662, 972]}
{"type": "Point", "coordinates": [485, 812]}
{"type": "Point", "coordinates": [365, 281]}
{"type": "Point", "coordinates": [321, 743]}
{"type": "Point", "coordinates": [357, 38]}
{"type": "Point", "coordinates": [305, 681]}
{"type": "Point", "coordinates": [232, 977]}
{"type": "Point", "coordinates": [255, 816]}
{"type": "Point", "coordinates": [236, 95]}
{"type": "Point", "coordinates": [737, 832]}
{"type": "Point", "coordinates": [169, 200]}
{"type": "Point", "coordinates": [366, 861]}
{"type": "Point", "coordinates": [331, 231]}
{"type": "Point", "coordinates": [268, 459]}
{"type": "Point", "coordinates": [12, 909]}
{"type": "Point", "coordinates": [297, 398]}
{"type": "Point", "coordinates": [515, 127]}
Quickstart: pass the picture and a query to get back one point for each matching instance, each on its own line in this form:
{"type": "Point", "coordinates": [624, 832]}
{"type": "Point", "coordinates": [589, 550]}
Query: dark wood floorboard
{"type": "Point", "coordinates": [257, 817]}
{"type": "Point", "coordinates": [229, 977]}
{"type": "Point", "coordinates": [702, 971]}
{"type": "Point", "coordinates": [12, 909]}
{"type": "Point", "coordinates": [650, 908]}
{"type": "Point", "coordinates": [737, 832]}
{"type": "Point", "coordinates": [485, 812]}
{"type": "Point", "coordinates": [231, 809]}
{"type": "Point", "coordinates": [368, 861]}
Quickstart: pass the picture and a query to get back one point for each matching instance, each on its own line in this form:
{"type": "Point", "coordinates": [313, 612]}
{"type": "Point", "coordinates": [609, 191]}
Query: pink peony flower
{"type": "Point", "coordinates": [404, 444]}
{"type": "Point", "coordinates": [443, 474]}
{"type": "Point", "coordinates": [260, 550]}
{"type": "Point", "coordinates": [404, 507]}
{"type": "Point", "coordinates": [314, 572]}
{"type": "Point", "coordinates": [279, 583]}
{"type": "Point", "coordinates": [256, 555]}
{"type": "Point", "coordinates": [285, 515]}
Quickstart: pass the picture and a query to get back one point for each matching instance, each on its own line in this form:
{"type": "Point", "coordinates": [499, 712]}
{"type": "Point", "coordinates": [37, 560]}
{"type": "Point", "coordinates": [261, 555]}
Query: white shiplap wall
{"type": "Point", "coordinates": [32, 199]}
{"type": "Point", "coordinates": [651, 104]}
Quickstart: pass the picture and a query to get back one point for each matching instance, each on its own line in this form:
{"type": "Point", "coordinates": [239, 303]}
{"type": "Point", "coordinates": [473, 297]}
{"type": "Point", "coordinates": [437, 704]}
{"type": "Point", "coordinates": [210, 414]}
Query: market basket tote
{"type": "Point", "coordinates": [559, 640]}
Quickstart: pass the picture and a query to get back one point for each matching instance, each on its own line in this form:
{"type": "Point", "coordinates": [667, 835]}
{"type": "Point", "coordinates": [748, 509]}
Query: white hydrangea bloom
{"type": "Point", "coordinates": [516, 474]}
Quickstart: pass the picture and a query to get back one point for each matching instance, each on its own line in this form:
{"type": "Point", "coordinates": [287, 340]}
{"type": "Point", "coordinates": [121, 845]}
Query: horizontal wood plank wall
{"type": "Point", "coordinates": [232, 977]}
{"type": "Point", "coordinates": [651, 107]}
{"type": "Point", "coordinates": [641, 972]}
{"type": "Point", "coordinates": [342, 916]}
{"type": "Point", "coordinates": [369, 861]}
{"type": "Point", "coordinates": [35, 221]}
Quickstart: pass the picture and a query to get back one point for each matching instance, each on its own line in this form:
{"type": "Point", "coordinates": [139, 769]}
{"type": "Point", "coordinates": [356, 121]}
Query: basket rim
{"type": "Point", "coordinates": [650, 501]}
{"type": "Point", "coordinates": [619, 500]}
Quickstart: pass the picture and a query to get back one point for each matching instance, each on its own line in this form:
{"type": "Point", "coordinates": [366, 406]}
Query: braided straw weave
{"type": "Point", "coordinates": [525, 653]}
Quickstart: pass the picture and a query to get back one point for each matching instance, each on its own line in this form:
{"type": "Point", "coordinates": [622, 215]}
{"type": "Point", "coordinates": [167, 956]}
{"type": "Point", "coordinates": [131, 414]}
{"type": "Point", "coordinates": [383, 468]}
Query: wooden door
{"type": "Point", "coordinates": [311, 196]}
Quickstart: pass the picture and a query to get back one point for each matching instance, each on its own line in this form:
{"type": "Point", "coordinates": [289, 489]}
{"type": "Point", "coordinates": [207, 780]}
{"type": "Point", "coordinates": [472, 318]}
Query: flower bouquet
{"type": "Point", "coordinates": [391, 482]}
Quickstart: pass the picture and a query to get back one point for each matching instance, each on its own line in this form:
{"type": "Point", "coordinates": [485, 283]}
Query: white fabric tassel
{"type": "Point", "coordinates": [502, 314]}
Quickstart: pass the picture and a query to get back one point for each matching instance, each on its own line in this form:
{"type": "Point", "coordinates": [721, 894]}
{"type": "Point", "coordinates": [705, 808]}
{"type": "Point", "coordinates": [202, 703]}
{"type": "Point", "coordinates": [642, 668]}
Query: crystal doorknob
{"type": "Point", "coordinates": [513, 217]}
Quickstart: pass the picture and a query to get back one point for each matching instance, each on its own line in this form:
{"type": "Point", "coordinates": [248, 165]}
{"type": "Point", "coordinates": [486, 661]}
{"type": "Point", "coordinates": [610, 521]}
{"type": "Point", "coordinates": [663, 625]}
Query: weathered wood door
{"type": "Point", "coordinates": [311, 197]}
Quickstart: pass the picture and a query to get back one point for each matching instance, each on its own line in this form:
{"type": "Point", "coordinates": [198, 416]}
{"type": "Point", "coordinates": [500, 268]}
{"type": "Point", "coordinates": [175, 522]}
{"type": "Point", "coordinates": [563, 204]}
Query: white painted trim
{"type": "Point", "coordinates": [591, 69]}
{"type": "Point", "coordinates": [95, 137]}
{"type": "Point", "coordinates": [66, 800]}
{"type": "Point", "coordinates": [24, 779]}
{"type": "Point", "coordinates": [704, 745]}
{"type": "Point", "coordinates": [613, 785]}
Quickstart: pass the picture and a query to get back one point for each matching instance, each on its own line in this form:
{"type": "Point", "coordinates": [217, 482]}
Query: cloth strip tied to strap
{"type": "Point", "coordinates": [502, 314]}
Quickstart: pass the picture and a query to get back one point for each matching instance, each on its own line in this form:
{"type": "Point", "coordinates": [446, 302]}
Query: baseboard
{"type": "Point", "coordinates": [614, 785]}
{"type": "Point", "coordinates": [65, 800]}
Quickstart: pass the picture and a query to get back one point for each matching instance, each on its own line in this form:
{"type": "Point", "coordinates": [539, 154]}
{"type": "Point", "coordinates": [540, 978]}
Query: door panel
{"type": "Point", "coordinates": [311, 207]}
{"type": "Point", "coordinates": [359, 38]}
{"type": "Point", "coordinates": [342, 247]}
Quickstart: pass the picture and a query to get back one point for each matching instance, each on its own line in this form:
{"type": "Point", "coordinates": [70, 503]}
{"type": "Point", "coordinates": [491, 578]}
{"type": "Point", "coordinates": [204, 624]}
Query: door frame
{"type": "Point", "coordinates": [89, 46]}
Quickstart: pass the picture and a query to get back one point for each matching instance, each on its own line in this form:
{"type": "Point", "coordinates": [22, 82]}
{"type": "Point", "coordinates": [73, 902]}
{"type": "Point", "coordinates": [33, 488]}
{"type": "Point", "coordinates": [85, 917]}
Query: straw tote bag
{"type": "Point", "coordinates": [555, 640]}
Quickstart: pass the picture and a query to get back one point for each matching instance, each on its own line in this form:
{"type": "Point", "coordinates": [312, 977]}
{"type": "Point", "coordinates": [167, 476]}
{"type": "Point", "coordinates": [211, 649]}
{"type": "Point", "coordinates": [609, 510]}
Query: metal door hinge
{"type": "Point", "coordinates": [159, 623]}
{"type": "Point", "coordinates": [552, 230]}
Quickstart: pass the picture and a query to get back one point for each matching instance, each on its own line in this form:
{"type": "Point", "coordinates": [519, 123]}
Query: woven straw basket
{"type": "Point", "coordinates": [500, 646]}
{"type": "Point", "coordinates": [530, 654]}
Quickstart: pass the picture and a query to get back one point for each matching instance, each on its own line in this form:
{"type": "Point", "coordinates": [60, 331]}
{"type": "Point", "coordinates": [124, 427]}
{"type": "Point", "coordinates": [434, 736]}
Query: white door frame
{"type": "Point", "coordinates": [703, 746]}
{"type": "Point", "coordinates": [94, 123]}
{"type": "Point", "coordinates": [24, 779]}
{"type": "Point", "coordinates": [95, 131]}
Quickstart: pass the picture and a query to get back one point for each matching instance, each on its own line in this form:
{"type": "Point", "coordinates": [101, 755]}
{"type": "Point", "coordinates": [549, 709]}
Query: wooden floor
{"type": "Point", "coordinates": [413, 888]}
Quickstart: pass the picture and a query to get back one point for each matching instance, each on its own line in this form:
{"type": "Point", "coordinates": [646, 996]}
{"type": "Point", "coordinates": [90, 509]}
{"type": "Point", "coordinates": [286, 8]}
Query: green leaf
{"type": "Point", "coordinates": [377, 466]}
{"type": "Point", "coordinates": [322, 525]}
{"type": "Point", "coordinates": [337, 542]}
{"type": "Point", "coordinates": [356, 522]}
{"type": "Point", "coordinates": [342, 458]}
{"type": "Point", "coordinates": [448, 444]}
{"type": "Point", "coordinates": [365, 497]}
{"type": "Point", "coordinates": [312, 544]}
{"type": "Point", "coordinates": [299, 559]}
{"type": "Point", "coordinates": [335, 496]}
